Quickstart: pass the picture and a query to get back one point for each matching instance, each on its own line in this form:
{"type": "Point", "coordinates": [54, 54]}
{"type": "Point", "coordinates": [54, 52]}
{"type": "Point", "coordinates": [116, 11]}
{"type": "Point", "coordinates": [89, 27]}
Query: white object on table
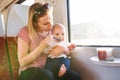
{"type": "Point", "coordinates": [115, 62]}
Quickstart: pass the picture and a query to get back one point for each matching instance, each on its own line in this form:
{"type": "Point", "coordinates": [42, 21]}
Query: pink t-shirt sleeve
{"type": "Point", "coordinates": [23, 34]}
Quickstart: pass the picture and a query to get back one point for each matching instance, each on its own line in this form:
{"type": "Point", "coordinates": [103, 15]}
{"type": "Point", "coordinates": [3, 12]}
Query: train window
{"type": "Point", "coordinates": [94, 22]}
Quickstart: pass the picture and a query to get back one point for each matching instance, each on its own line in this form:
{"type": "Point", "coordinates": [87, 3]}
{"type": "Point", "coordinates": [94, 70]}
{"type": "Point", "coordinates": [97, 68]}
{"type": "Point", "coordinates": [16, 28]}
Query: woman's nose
{"type": "Point", "coordinates": [49, 26]}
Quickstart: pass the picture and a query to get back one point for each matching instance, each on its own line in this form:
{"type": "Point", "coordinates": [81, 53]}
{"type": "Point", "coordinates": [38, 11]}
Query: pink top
{"type": "Point", "coordinates": [40, 61]}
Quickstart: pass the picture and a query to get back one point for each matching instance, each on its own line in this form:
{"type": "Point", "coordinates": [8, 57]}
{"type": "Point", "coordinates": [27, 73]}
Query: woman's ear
{"type": "Point", "coordinates": [35, 24]}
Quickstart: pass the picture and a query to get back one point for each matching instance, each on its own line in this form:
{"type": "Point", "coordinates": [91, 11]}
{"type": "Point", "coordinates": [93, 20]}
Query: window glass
{"type": "Point", "coordinates": [95, 22]}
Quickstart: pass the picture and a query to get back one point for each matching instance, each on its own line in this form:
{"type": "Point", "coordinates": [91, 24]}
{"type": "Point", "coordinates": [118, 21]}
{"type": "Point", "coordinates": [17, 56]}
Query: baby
{"type": "Point", "coordinates": [55, 64]}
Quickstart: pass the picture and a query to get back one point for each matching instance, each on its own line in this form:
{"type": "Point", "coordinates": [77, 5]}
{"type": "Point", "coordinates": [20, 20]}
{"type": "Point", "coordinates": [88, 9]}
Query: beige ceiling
{"type": "Point", "coordinates": [5, 3]}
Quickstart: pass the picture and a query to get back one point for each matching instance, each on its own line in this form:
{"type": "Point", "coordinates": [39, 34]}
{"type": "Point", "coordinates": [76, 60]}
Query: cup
{"type": "Point", "coordinates": [102, 55]}
{"type": "Point", "coordinates": [105, 54]}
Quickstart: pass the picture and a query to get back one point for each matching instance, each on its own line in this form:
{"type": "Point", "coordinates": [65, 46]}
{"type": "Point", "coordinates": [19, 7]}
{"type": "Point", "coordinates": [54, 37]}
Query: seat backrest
{"type": "Point", "coordinates": [2, 49]}
{"type": "Point", "coordinates": [16, 19]}
{"type": "Point", "coordinates": [1, 26]}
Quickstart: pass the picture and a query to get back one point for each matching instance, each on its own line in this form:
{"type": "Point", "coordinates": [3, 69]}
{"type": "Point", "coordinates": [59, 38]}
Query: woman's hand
{"type": "Point", "coordinates": [47, 40]}
{"type": "Point", "coordinates": [56, 51]}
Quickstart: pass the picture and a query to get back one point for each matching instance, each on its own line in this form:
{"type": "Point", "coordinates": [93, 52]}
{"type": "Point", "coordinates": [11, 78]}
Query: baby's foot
{"type": "Point", "coordinates": [62, 70]}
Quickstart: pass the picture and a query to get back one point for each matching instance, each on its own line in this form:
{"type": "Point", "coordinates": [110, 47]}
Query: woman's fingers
{"type": "Point", "coordinates": [56, 51]}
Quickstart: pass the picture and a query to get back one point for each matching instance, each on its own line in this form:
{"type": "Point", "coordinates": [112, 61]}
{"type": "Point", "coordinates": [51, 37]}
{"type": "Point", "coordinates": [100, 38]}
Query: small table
{"type": "Point", "coordinates": [115, 62]}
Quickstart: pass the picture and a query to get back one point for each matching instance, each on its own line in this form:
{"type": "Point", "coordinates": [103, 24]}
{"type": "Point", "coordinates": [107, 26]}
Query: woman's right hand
{"type": "Point", "coordinates": [47, 40]}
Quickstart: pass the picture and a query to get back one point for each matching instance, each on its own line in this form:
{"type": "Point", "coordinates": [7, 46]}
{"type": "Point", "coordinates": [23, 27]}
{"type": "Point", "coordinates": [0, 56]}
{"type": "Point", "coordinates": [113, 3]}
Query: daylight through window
{"type": "Point", "coordinates": [95, 22]}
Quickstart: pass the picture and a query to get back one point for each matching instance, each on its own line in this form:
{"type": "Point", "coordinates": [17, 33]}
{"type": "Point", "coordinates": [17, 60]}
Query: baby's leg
{"type": "Point", "coordinates": [62, 70]}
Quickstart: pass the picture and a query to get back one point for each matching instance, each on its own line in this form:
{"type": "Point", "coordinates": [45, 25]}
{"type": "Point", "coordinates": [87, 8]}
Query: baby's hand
{"type": "Point", "coordinates": [72, 46]}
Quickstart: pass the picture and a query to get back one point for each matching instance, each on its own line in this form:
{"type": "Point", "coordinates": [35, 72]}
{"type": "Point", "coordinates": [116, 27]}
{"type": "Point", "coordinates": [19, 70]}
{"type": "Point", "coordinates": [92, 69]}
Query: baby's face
{"type": "Point", "coordinates": [59, 33]}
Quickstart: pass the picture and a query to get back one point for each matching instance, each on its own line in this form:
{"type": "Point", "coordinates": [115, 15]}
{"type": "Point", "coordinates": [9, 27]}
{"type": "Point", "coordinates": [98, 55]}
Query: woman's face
{"type": "Point", "coordinates": [45, 23]}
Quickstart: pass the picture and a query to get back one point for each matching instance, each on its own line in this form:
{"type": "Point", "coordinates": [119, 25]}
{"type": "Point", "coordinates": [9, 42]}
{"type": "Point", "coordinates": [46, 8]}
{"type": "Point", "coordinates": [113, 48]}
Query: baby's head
{"type": "Point", "coordinates": [58, 32]}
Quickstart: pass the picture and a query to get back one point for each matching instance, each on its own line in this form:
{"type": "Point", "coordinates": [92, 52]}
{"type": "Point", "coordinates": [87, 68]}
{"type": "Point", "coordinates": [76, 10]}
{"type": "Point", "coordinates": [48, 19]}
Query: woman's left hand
{"type": "Point", "coordinates": [56, 51]}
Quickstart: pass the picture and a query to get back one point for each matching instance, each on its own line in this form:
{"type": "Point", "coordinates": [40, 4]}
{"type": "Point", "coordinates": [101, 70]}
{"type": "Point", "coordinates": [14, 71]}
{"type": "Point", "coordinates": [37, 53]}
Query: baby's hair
{"type": "Point", "coordinates": [58, 25]}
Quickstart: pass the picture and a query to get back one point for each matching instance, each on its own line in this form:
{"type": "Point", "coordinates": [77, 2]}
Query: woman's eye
{"type": "Point", "coordinates": [45, 23]}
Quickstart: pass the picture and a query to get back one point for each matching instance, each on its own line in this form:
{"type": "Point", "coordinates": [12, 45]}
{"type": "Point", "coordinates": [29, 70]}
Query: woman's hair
{"type": "Point", "coordinates": [36, 11]}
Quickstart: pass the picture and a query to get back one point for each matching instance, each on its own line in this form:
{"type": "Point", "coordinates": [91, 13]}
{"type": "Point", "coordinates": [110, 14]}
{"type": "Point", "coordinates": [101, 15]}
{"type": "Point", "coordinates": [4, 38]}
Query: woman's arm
{"type": "Point", "coordinates": [59, 49]}
{"type": "Point", "coordinates": [24, 57]}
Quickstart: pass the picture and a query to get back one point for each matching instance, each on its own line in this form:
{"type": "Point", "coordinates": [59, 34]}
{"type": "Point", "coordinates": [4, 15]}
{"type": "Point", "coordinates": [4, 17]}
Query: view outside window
{"type": "Point", "coordinates": [95, 22]}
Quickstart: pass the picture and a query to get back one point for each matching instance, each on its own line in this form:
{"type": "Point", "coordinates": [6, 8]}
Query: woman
{"type": "Point", "coordinates": [32, 41]}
